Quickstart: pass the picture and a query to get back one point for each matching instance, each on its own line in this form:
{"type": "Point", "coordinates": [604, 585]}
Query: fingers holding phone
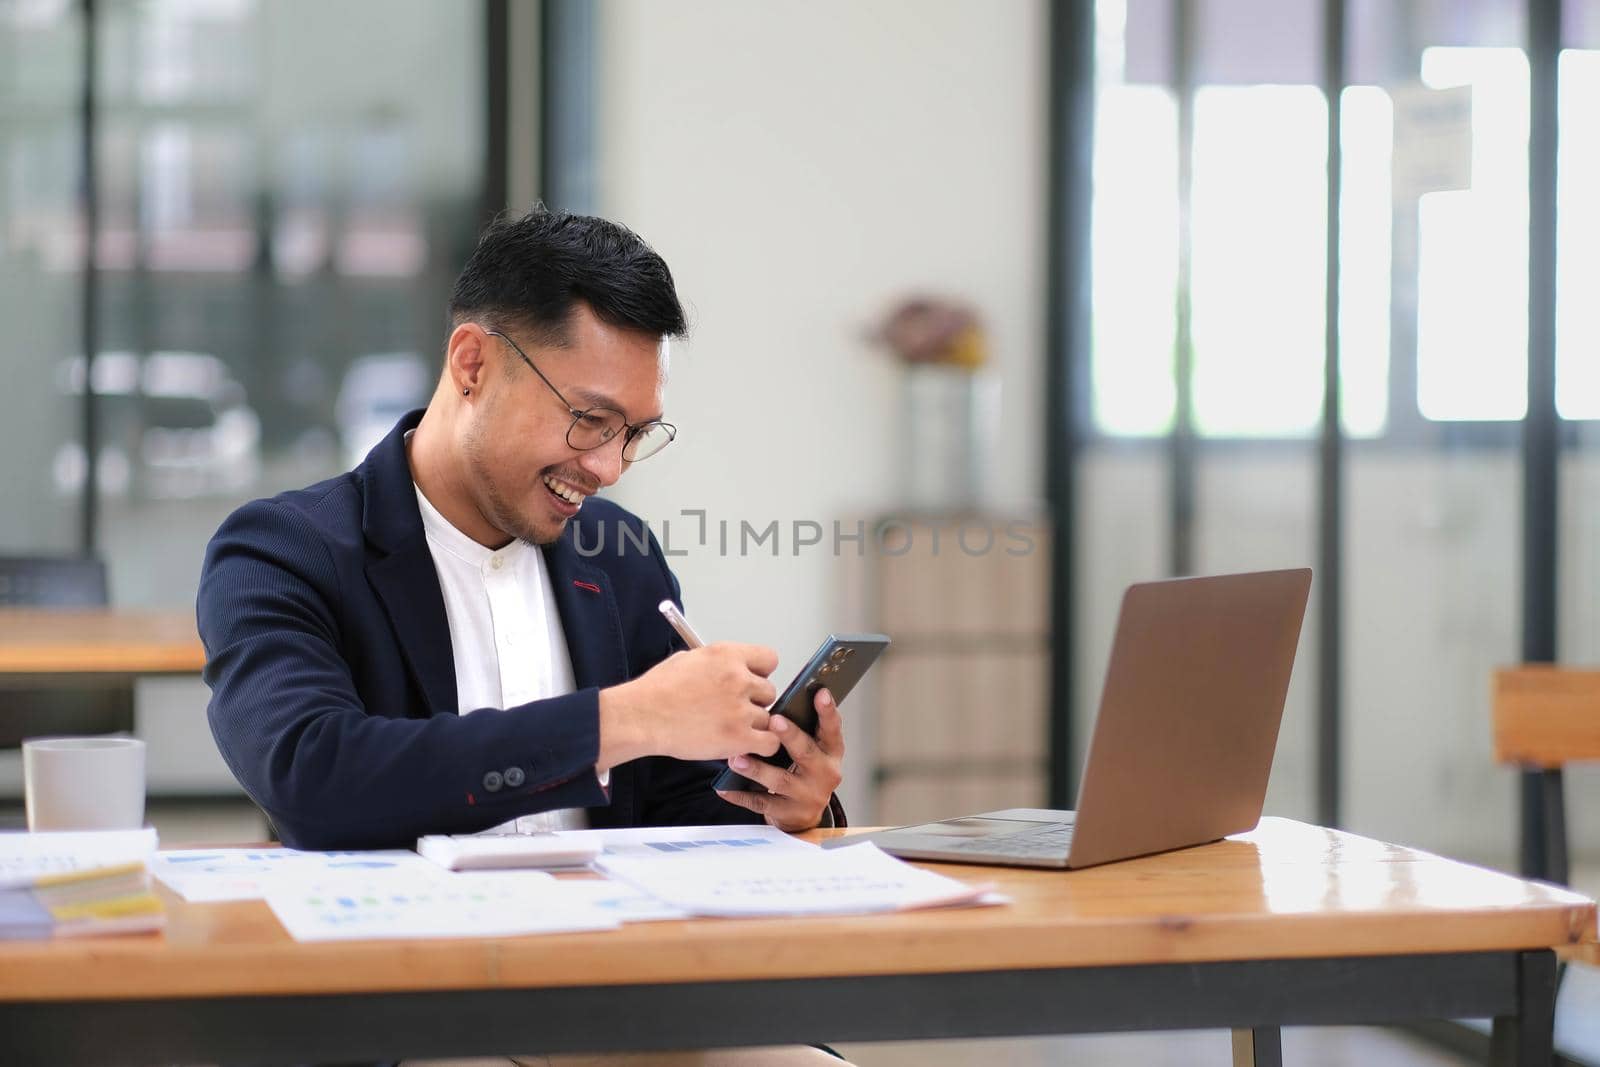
{"type": "Point", "coordinates": [795, 798]}
{"type": "Point", "coordinates": [840, 662]}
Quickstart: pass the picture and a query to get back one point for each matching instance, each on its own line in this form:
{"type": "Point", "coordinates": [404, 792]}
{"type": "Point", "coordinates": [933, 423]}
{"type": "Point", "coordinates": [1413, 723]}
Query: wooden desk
{"type": "Point", "coordinates": [1287, 925]}
{"type": "Point", "coordinates": [62, 646]}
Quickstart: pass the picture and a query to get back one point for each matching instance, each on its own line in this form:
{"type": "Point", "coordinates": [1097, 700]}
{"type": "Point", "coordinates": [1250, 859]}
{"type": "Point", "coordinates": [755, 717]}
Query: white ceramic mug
{"type": "Point", "coordinates": [84, 783]}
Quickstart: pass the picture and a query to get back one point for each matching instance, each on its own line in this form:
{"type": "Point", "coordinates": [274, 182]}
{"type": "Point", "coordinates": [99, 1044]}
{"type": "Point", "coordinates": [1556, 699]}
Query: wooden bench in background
{"type": "Point", "coordinates": [1545, 717]}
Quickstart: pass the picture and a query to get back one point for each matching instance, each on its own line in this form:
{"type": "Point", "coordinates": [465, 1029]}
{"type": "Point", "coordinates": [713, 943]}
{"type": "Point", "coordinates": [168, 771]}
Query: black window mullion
{"type": "Point", "coordinates": [497, 48]}
{"type": "Point", "coordinates": [1068, 340]}
{"type": "Point", "coordinates": [567, 33]}
{"type": "Point", "coordinates": [1181, 442]}
{"type": "Point", "coordinates": [1542, 848]}
{"type": "Point", "coordinates": [89, 501]}
{"type": "Point", "coordinates": [1330, 485]}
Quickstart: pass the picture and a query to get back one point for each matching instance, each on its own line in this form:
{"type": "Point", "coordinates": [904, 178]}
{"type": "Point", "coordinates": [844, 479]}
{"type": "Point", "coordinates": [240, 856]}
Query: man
{"type": "Point", "coordinates": [459, 633]}
{"type": "Point", "coordinates": [355, 630]}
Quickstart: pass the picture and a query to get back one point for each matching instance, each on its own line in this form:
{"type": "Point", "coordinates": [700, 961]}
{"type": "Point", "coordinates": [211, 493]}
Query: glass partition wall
{"type": "Point", "coordinates": [1203, 411]}
{"type": "Point", "coordinates": [1436, 126]}
{"type": "Point", "coordinates": [41, 236]}
{"type": "Point", "coordinates": [1207, 269]}
{"type": "Point", "coordinates": [1578, 396]}
{"type": "Point", "coordinates": [277, 226]}
{"type": "Point", "coordinates": [278, 239]}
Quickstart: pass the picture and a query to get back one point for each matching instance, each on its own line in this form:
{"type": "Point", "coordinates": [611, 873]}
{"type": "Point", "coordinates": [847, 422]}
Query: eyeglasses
{"type": "Point", "coordinates": [593, 427]}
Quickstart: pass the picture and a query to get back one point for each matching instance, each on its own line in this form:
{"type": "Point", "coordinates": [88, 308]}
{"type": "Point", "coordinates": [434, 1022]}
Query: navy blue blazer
{"type": "Point", "coordinates": [333, 689]}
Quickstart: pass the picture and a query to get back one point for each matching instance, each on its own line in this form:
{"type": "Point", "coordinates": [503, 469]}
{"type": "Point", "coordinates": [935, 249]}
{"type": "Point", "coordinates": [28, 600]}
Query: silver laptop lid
{"type": "Point", "coordinates": [1189, 714]}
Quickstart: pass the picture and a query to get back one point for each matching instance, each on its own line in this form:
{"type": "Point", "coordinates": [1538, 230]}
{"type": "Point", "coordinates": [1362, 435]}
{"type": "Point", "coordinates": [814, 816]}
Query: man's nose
{"type": "Point", "coordinates": [605, 464]}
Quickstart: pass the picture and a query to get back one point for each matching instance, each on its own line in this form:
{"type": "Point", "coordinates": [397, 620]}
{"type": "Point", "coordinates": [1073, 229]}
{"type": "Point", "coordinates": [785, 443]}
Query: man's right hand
{"type": "Point", "coordinates": [709, 703]}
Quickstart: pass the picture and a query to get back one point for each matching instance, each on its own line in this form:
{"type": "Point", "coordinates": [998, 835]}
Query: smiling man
{"type": "Point", "coordinates": [459, 633]}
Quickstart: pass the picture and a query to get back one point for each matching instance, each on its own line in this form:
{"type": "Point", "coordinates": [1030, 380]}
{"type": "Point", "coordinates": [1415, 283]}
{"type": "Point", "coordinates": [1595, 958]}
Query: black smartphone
{"type": "Point", "coordinates": [837, 666]}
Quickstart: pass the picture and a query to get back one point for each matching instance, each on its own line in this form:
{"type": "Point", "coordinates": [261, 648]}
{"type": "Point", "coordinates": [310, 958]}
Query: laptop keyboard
{"type": "Point", "coordinates": [1051, 839]}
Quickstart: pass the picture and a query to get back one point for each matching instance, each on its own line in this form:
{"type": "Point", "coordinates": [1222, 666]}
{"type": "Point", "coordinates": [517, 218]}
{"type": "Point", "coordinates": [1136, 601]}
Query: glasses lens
{"type": "Point", "coordinates": [595, 427]}
{"type": "Point", "coordinates": [648, 441]}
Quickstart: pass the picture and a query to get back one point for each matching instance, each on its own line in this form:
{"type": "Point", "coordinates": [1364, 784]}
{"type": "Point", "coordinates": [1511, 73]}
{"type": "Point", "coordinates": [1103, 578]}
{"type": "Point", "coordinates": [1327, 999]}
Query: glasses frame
{"type": "Point", "coordinates": [630, 430]}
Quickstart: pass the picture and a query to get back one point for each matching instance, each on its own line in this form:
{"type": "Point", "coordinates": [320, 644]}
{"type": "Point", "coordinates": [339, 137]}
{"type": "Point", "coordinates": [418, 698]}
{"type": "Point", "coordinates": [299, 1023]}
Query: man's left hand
{"type": "Point", "coordinates": [797, 797]}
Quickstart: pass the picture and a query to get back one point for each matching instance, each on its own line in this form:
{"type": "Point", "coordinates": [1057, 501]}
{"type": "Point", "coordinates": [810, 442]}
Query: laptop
{"type": "Point", "coordinates": [1183, 744]}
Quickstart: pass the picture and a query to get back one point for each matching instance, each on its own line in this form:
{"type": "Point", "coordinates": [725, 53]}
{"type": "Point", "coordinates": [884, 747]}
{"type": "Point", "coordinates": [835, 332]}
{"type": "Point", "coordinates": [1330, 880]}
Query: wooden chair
{"type": "Point", "coordinates": [1545, 717]}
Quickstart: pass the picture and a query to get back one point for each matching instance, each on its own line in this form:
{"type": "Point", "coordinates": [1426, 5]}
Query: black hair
{"type": "Point", "coordinates": [529, 272]}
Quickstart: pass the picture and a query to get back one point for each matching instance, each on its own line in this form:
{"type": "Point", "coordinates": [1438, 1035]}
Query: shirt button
{"type": "Point", "coordinates": [514, 777]}
{"type": "Point", "coordinates": [498, 562]}
{"type": "Point", "coordinates": [509, 638]}
{"type": "Point", "coordinates": [492, 781]}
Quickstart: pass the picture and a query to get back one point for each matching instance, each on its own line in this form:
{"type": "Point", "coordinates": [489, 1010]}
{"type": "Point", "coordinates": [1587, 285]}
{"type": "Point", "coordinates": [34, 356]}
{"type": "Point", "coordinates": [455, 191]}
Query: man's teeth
{"type": "Point", "coordinates": [563, 490]}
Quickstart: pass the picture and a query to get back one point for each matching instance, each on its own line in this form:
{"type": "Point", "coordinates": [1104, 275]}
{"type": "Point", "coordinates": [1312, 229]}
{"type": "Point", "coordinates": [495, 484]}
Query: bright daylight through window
{"type": "Point", "coordinates": [1451, 150]}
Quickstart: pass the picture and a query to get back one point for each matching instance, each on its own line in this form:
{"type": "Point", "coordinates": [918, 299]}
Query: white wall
{"type": "Point", "coordinates": [801, 166]}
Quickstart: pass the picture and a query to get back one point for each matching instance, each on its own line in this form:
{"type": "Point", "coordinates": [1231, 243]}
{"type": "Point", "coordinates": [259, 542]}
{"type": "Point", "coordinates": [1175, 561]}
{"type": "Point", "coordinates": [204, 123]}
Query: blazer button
{"type": "Point", "coordinates": [514, 777]}
{"type": "Point", "coordinates": [492, 781]}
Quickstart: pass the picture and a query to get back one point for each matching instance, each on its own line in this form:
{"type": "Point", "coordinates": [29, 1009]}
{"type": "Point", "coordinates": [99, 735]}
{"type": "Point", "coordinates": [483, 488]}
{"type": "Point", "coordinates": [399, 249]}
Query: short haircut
{"type": "Point", "coordinates": [530, 272]}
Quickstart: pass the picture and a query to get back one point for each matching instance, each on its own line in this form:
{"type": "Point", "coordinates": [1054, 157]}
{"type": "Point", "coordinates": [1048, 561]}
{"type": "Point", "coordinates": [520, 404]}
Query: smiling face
{"type": "Point", "coordinates": [516, 468]}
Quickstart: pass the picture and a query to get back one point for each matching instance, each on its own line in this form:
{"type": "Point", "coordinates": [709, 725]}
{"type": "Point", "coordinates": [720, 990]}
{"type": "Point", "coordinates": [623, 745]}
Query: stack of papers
{"type": "Point", "coordinates": [213, 874]}
{"type": "Point", "coordinates": [653, 874]}
{"type": "Point", "coordinates": [580, 848]}
{"type": "Point", "coordinates": [72, 884]}
{"type": "Point", "coordinates": [855, 880]}
{"type": "Point", "coordinates": [323, 896]}
{"type": "Point", "coordinates": [753, 844]}
{"type": "Point", "coordinates": [26, 856]}
{"type": "Point", "coordinates": [106, 900]}
{"type": "Point", "coordinates": [401, 904]}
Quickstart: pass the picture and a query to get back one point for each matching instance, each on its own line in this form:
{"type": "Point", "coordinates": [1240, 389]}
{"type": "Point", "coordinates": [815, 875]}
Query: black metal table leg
{"type": "Point", "coordinates": [1261, 1047]}
{"type": "Point", "coordinates": [1527, 1039]}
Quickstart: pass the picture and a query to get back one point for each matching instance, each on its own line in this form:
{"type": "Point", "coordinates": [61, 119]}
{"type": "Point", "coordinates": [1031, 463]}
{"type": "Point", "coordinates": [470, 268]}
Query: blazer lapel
{"type": "Point", "coordinates": [400, 567]}
{"type": "Point", "coordinates": [409, 587]}
{"type": "Point", "coordinates": [589, 615]}
{"type": "Point", "coordinates": [593, 626]}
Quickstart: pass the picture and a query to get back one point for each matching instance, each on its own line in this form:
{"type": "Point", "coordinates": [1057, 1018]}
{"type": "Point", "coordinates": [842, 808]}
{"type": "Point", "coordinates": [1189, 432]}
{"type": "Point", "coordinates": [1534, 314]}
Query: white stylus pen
{"type": "Point", "coordinates": [680, 624]}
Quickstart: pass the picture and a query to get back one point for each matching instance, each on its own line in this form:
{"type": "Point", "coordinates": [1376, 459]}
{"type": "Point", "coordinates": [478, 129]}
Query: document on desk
{"type": "Point", "coordinates": [660, 842]}
{"type": "Point", "coordinates": [207, 875]}
{"type": "Point", "coordinates": [403, 904]}
{"type": "Point", "coordinates": [619, 900]}
{"type": "Point", "coordinates": [857, 880]}
{"type": "Point", "coordinates": [27, 856]}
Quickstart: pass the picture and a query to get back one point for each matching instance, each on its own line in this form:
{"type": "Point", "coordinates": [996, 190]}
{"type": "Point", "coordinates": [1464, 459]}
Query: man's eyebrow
{"type": "Point", "coordinates": [600, 400]}
{"type": "Point", "coordinates": [594, 398]}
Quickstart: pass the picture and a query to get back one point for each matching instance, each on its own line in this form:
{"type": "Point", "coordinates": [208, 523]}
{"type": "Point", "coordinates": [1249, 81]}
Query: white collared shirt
{"type": "Point", "coordinates": [505, 634]}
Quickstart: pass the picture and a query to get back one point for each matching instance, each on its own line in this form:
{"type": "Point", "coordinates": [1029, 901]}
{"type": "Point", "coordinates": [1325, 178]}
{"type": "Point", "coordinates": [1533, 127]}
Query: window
{"type": "Point", "coordinates": [1260, 159]}
{"type": "Point", "coordinates": [1472, 262]}
{"type": "Point", "coordinates": [1578, 239]}
{"type": "Point", "coordinates": [1434, 235]}
{"type": "Point", "coordinates": [1134, 254]}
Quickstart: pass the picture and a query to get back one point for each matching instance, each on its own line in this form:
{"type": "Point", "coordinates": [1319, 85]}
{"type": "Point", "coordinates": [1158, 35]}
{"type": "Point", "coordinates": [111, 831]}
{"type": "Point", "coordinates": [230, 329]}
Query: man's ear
{"type": "Point", "coordinates": [466, 353]}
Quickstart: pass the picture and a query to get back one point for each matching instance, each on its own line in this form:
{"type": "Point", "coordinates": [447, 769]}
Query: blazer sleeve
{"type": "Point", "coordinates": [330, 771]}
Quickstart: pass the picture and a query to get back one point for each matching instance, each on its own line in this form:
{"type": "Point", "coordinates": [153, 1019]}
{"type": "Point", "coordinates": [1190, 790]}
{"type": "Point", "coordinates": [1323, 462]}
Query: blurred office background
{"type": "Point", "coordinates": [247, 215]}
